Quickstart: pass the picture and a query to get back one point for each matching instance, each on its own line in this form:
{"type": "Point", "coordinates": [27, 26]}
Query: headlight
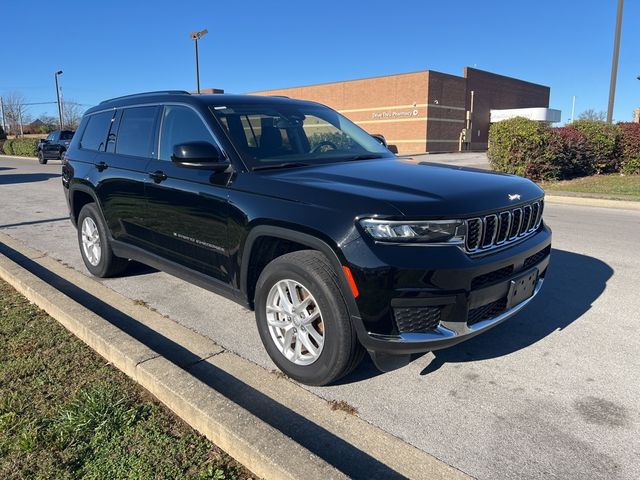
{"type": "Point", "coordinates": [431, 231]}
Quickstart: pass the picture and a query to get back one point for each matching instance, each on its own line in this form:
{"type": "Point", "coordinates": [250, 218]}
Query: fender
{"type": "Point", "coordinates": [79, 187]}
{"type": "Point", "coordinates": [304, 239]}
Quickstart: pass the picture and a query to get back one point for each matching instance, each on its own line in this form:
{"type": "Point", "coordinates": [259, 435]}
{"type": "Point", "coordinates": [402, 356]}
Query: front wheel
{"type": "Point", "coordinates": [303, 320]}
{"type": "Point", "coordinates": [95, 245]}
{"type": "Point", "coordinates": [41, 159]}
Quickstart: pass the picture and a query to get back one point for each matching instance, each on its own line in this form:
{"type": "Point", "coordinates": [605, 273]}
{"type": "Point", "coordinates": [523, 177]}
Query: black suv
{"type": "Point", "coordinates": [54, 146]}
{"type": "Point", "coordinates": [290, 209]}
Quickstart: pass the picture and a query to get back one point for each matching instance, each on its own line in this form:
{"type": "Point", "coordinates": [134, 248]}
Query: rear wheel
{"type": "Point", "coordinates": [95, 246]}
{"type": "Point", "coordinates": [303, 320]}
{"type": "Point", "coordinates": [41, 158]}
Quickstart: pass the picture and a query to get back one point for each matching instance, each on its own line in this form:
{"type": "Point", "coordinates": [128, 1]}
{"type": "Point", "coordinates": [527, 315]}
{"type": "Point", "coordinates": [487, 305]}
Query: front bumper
{"type": "Point", "coordinates": [449, 295]}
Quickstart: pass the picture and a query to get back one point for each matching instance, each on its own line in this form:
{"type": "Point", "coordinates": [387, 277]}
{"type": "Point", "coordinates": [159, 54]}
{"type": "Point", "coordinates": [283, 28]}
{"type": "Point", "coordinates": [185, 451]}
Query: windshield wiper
{"type": "Point", "coordinates": [365, 156]}
{"type": "Point", "coordinates": [281, 165]}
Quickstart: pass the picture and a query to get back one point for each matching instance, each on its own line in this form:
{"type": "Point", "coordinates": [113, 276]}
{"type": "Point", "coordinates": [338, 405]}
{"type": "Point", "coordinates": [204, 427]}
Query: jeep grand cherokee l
{"type": "Point", "coordinates": [290, 209]}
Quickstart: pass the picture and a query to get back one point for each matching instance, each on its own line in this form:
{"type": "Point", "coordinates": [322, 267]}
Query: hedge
{"type": "Point", "coordinates": [519, 146]}
{"type": "Point", "coordinates": [22, 147]}
{"type": "Point", "coordinates": [537, 151]}
{"type": "Point", "coordinates": [630, 147]}
{"type": "Point", "coordinates": [604, 140]}
{"type": "Point", "coordinates": [7, 146]}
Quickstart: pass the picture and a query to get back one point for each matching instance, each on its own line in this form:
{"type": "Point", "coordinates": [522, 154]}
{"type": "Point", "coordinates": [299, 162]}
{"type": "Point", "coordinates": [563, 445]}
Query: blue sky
{"type": "Point", "coordinates": [113, 48]}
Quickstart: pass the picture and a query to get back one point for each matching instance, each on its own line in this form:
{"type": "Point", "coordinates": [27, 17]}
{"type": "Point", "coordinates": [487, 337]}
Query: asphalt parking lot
{"type": "Point", "coordinates": [552, 393]}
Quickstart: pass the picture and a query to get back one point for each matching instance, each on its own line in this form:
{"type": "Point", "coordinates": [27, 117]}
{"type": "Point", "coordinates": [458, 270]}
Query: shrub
{"type": "Point", "coordinates": [570, 154]}
{"type": "Point", "coordinates": [7, 146]}
{"type": "Point", "coordinates": [631, 166]}
{"type": "Point", "coordinates": [630, 147]}
{"type": "Point", "coordinates": [519, 146]}
{"type": "Point", "coordinates": [604, 141]}
{"type": "Point", "coordinates": [25, 147]}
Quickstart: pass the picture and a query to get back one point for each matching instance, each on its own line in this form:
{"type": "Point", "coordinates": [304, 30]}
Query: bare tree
{"type": "Point", "coordinates": [592, 114]}
{"type": "Point", "coordinates": [71, 114]}
{"type": "Point", "coordinates": [15, 112]}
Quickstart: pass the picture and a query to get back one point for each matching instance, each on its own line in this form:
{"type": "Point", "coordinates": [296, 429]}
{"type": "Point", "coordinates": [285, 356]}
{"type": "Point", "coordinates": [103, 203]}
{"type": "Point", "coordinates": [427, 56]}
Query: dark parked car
{"type": "Point", "coordinates": [288, 208]}
{"type": "Point", "coordinates": [54, 146]}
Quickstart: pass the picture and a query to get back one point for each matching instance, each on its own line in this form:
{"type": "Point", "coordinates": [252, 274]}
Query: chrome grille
{"type": "Point", "coordinates": [503, 227]}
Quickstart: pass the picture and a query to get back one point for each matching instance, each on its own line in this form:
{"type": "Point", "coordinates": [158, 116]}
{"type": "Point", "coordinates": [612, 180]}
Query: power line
{"type": "Point", "coordinates": [54, 103]}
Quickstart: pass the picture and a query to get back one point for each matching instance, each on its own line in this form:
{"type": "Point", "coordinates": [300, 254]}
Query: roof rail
{"type": "Point", "coordinates": [143, 94]}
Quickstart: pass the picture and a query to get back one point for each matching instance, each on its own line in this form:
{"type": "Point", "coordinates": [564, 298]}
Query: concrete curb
{"type": "Point", "coordinates": [18, 157]}
{"type": "Point", "coordinates": [592, 202]}
{"type": "Point", "coordinates": [251, 413]}
{"type": "Point", "coordinates": [261, 448]}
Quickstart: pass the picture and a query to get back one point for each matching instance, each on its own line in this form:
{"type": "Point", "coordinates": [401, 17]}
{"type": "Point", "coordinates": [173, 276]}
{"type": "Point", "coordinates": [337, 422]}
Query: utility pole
{"type": "Point", "coordinates": [614, 63]}
{"type": "Point", "coordinates": [59, 72]}
{"type": "Point", "coordinates": [573, 109]}
{"type": "Point", "coordinates": [195, 36]}
{"type": "Point", "coordinates": [4, 123]}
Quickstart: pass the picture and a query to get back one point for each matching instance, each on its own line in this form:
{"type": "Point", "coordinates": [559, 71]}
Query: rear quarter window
{"type": "Point", "coordinates": [95, 134]}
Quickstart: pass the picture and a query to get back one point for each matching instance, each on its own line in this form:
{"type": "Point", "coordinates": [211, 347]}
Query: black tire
{"type": "Point", "coordinates": [341, 352]}
{"type": "Point", "coordinates": [108, 265]}
{"type": "Point", "coordinates": [41, 159]}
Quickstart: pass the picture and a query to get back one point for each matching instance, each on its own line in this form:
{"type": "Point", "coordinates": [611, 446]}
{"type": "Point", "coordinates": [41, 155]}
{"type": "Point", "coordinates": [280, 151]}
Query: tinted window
{"type": "Point", "coordinates": [66, 135]}
{"type": "Point", "coordinates": [271, 134]}
{"type": "Point", "coordinates": [181, 125]}
{"type": "Point", "coordinates": [135, 135]}
{"type": "Point", "coordinates": [96, 132]}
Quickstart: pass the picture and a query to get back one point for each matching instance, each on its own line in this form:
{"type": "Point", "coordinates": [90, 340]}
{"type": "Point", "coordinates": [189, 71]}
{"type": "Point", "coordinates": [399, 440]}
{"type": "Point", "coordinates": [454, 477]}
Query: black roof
{"type": "Point", "coordinates": [181, 96]}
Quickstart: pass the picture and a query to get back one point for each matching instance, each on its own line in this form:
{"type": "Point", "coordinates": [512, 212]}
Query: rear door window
{"type": "Point", "coordinates": [95, 134]}
{"type": "Point", "coordinates": [137, 132]}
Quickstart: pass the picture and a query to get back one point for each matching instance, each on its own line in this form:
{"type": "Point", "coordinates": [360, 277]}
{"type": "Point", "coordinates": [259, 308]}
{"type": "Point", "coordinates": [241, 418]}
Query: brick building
{"type": "Point", "coordinates": [425, 110]}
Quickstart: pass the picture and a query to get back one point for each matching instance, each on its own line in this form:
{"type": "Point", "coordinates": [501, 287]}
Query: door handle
{"type": "Point", "coordinates": [101, 166]}
{"type": "Point", "coordinates": [158, 176]}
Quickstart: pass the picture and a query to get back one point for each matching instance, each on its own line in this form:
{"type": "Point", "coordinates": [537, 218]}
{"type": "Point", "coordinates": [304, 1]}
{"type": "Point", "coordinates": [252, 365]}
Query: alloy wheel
{"type": "Point", "coordinates": [295, 322]}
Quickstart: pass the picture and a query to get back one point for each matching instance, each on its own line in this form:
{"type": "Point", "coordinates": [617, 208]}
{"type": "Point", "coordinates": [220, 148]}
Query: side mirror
{"type": "Point", "coordinates": [199, 155]}
{"type": "Point", "coordinates": [43, 140]}
{"type": "Point", "coordinates": [380, 138]}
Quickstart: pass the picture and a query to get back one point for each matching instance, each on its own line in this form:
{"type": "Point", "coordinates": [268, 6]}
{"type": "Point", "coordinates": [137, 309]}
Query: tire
{"type": "Point", "coordinates": [101, 262]}
{"type": "Point", "coordinates": [309, 273]}
{"type": "Point", "coordinates": [41, 159]}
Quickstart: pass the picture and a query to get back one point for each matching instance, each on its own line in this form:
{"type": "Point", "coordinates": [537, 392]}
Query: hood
{"type": "Point", "coordinates": [411, 187]}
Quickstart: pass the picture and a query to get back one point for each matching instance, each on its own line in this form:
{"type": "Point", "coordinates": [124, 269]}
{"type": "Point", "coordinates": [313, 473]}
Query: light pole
{"type": "Point", "coordinates": [59, 72]}
{"type": "Point", "coordinates": [614, 63]}
{"type": "Point", "coordinates": [195, 36]}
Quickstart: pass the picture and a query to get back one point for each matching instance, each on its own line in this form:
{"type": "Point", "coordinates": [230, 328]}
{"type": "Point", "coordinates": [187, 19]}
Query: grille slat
{"type": "Point", "coordinates": [502, 227]}
{"type": "Point", "coordinates": [474, 233]}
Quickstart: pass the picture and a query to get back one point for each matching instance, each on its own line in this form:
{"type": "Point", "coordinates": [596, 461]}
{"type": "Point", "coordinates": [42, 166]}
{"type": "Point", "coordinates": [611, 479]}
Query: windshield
{"type": "Point", "coordinates": [289, 134]}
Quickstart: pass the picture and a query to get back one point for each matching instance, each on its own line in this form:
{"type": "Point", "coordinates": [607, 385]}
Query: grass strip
{"type": "Point", "coordinates": [65, 413]}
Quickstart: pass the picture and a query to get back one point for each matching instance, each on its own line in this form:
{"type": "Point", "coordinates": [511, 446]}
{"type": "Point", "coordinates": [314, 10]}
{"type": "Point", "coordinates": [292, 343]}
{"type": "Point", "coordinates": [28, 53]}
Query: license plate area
{"type": "Point", "coordinates": [521, 288]}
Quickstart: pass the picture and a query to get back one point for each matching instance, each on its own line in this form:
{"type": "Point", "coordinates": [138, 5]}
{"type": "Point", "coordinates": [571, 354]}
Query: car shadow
{"type": "Point", "coordinates": [135, 269]}
{"type": "Point", "coordinates": [572, 284]}
{"type": "Point", "coordinates": [6, 168]}
{"type": "Point", "coordinates": [16, 178]}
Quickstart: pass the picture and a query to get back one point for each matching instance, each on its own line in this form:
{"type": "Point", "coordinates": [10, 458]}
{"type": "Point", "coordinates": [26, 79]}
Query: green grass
{"type": "Point", "coordinates": [67, 414]}
{"type": "Point", "coordinates": [607, 186]}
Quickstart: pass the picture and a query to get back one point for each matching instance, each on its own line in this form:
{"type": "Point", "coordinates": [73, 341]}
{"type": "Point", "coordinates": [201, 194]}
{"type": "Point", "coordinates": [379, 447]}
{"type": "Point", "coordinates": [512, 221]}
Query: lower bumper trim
{"type": "Point", "coordinates": [450, 333]}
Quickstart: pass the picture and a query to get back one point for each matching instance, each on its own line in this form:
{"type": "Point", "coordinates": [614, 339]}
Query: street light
{"type": "Point", "coordinates": [195, 36]}
{"type": "Point", "coordinates": [59, 72]}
